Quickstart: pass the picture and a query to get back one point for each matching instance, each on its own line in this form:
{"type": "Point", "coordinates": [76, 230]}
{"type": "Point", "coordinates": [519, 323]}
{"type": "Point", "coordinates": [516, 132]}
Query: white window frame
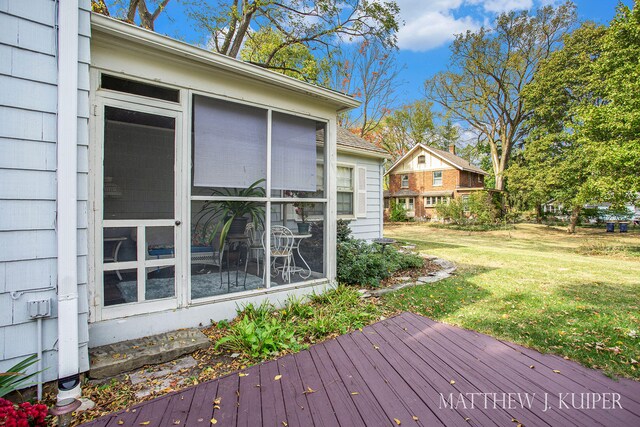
{"type": "Point", "coordinates": [408, 203]}
{"type": "Point", "coordinates": [465, 203]}
{"type": "Point", "coordinates": [354, 186]}
{"type": "Point", "coordinates": [434, 200]}
{"type": "Point", "coordinates": [434, 178]}
{"type": "Point", "coordinates": [424, 159]}
{"type": "Point", "coordinates": [402, 179]}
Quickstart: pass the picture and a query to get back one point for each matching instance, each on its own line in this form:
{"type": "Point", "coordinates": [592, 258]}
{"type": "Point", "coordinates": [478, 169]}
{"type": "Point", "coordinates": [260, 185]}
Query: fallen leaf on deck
{"type": "Point", "coordinates": [415, 418]}
{"type": "Point", "coordinates": [309, 390]}
{"type": "Point", "coordinates": [120, 422]}
{"type": "Point", "coordinates": [217, 400]}
{"type": "Point", "coordinates": [452, 382]}
{"type": "Point", "coordinates": [242, 374]}
{"type": "Point", "coordinates": [145, 423]}
{"type": "Point", "coordinates": [277, 377]}
{"type": "Point", "coordinates": [397, 421]}
{"type": "Point", "coordinates": [556, 371]}
{"type": "Point", "coordinates": [353, 393]}
{"type": "Point", "coordinates": [214, 421]}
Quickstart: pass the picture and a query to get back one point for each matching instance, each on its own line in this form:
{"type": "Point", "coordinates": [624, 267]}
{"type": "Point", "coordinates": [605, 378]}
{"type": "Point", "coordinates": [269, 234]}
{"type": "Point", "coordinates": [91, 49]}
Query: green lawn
{"type": "Point", "coordinates": [573, 295]}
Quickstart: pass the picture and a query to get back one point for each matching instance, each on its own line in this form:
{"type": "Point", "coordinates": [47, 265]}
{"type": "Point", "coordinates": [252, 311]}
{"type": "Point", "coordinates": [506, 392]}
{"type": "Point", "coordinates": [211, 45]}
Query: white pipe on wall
{"type": "Point", "coordinates": [68, 355]}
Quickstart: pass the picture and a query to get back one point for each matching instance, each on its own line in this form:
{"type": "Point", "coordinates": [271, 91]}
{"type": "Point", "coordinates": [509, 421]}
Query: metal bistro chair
{"type": "Point", "coordinates": [282, 242]}
{"type": "Point", "coordinates": [256, 249]}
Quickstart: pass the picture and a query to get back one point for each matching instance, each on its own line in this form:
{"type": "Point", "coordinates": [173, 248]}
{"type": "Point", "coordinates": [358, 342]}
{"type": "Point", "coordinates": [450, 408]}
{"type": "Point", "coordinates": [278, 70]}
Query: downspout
{"type": "Point", "coordinates": [67, 221]}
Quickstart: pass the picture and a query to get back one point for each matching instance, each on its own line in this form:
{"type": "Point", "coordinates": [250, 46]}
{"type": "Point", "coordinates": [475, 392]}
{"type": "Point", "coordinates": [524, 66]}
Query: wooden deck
{"type": "Point", "coordinates": [407, 370]}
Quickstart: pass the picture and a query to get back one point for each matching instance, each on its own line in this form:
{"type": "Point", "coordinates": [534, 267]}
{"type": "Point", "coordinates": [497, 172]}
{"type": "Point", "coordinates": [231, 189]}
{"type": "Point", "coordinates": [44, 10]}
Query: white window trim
{"type": "Point", "coordinates": [433, 178]}
{"type": "Point", "coordinates": [354, 191]}
{"type": "Point", "coordinates": [402, 180]}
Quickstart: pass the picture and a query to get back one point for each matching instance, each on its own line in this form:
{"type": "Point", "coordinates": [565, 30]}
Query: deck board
{"type": "Point", "coordinates": [397, 369]}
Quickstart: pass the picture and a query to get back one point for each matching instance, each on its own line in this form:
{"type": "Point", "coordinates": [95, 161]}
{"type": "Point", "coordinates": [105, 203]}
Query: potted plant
{"type": "Point", "coordinates": [232, 215]}
{"type": "Point", "coordinates": [302, 212]}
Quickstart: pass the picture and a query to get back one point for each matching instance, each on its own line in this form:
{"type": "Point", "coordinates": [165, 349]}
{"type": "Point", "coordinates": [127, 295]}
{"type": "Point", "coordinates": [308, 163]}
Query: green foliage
{"type": "Point", "coordinates": [360, 263]}
{"type": "Point", "coordinates": [343, 232]}
{"type": "Point", "coordinates": [481, 208]}
{"type": "Point", "coordinates": [224, 212]}
{"type": "Point", "coordinates": [407, 126]}
{"type": "Point", "coordinates": [16, 378]}
{"type": "Point", "coordinates": [397, 213]}
{"type": "Point", "coordinates": [584, 143]}
{"type": "Point", "coordinates": [260, 337]}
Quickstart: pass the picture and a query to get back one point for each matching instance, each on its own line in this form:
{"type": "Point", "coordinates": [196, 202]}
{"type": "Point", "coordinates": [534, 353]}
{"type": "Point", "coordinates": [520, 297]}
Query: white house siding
{"type": "Point", "coordinates": [369, 227]}
{"type": "Point", "coordinates": [28, 100]}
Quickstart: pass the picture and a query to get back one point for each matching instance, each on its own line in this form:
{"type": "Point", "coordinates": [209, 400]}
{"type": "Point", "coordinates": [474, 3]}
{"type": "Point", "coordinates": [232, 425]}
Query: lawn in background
{"type": "Point", "coordinates": [573, 295]}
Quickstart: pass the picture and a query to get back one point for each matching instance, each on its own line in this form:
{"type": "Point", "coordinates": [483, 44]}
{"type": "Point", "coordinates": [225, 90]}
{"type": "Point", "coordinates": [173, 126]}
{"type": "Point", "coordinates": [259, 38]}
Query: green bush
{"type": "Point", "coordinates": [360, 263]}
{"type": "Point", "coordinates": [481, 208]}
{"type": "Point", "coordinates": [343, 232]}
{"type": "Point", "coordinates": [397, 213]}
{"type": "Point", "coordinates": [259, 338]}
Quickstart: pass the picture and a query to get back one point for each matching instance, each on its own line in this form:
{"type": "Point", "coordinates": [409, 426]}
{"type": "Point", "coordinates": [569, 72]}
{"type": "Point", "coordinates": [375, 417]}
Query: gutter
{"type": "Point", "coordinates": [112, 28]}
{"type": "Point", "coordinates": [66, 220]}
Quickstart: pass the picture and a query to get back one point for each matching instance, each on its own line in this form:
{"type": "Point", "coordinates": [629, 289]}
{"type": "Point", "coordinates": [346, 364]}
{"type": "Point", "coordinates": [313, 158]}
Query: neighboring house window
{"type": "Point", "coordinates": [465, 203]}
{"type": "Point", "coordinates": [479, 178]}
{"type": "Point", "coordinates": [404, 183]}
{"type": "Point", "coordinates": [437, 178]}
{"type": "Point", "coordinates": [434, 200]}
{"type": "Point", "coordinates": [407, 203]}
{"type": "Point", "coordinates": [345, 190]}
{"type": "Point", "coordinates": [422, 159]}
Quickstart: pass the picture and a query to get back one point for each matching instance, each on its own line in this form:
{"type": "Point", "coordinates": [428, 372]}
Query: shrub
{"type": "Point", "coordinates": [343, 232]}
{"type": "Point", "coordinates": [480, 208]}
{"type": "Point", "coordinates": [360, 263]}
{"type": "Point", "coordinates": [22, 415]}
{"type": "Point", "coordinates": [397, 213]}
{"type": "Point", "coordinates": [259, 338]}
{"type": "Point", "coordinates": [16, 377]}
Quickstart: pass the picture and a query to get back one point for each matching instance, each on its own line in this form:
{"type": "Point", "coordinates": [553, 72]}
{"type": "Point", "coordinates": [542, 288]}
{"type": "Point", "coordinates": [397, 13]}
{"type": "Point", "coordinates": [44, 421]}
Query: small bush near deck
{"type": "Point", "coordinates": [360, 263]}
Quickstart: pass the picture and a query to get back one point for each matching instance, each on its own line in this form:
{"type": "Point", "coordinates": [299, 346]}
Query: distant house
{"type": "Point", "coordinates": [426, 176]}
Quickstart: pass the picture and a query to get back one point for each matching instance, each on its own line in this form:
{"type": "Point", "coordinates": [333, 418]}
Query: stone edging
{"type": "Point", "coordinates": [447, 271]}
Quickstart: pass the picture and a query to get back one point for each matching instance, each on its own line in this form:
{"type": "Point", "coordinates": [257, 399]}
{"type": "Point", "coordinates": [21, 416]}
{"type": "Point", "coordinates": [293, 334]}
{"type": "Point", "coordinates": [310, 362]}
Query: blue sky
{"type": "Point", "coordinates": [429, 27]}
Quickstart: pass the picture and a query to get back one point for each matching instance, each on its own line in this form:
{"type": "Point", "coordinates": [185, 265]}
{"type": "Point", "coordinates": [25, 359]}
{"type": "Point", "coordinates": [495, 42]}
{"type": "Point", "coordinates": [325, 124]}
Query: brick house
{"type": "Point", "coordinates": [426, 176]}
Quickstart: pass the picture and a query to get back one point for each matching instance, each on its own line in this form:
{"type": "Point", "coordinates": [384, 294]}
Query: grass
{"type": "Point", "coordinates": [573, 295]}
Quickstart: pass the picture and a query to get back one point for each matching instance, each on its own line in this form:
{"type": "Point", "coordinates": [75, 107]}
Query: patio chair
{"type": "Point", "coordinates": [255, 244]}
{"type": "Point", "coordinates": [282, 242]}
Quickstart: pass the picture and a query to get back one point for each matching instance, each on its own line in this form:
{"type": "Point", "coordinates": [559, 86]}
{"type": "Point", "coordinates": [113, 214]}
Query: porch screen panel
{"type": "Point", "coordinates": [293, 153]}
{"type": "Point", "coordinates": [230, 143]}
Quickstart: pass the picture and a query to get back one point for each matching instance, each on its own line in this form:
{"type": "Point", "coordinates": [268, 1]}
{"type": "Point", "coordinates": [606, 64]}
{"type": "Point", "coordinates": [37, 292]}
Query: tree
{"type": "Point", "coordinates": [147, 19]}
{"type": "Point", "coordinates": [584, 145]}
{"type": "Point", "coordinates": [405, 127]}
{"type": "Point", "coordinates": [295, 60]}
{"type": "Point", "coordinates": [371, 74]}
{"type": "Point", "coordinates": [314, 23]}
{"type": "Point", "coordinates": [488, 70]}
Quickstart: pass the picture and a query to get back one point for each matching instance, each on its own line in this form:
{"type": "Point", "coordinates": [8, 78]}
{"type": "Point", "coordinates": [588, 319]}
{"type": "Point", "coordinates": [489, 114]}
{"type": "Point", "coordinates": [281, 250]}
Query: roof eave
{"type": "Point", "coordinates": [114, 28]}
{"type": "Point", "coordinates": [362, 152]}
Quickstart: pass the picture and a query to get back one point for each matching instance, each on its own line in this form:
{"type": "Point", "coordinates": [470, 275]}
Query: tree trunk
{"type": "Point", "coordinates": [538, 213]}
{"type": "Point", "coordinates": [575, 215]}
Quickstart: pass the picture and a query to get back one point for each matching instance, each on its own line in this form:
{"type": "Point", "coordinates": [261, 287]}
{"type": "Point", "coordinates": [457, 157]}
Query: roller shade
{"type": "Point", "coordinates": [230, 143]}
{"type": "Point", "coordinates": [293, 153]}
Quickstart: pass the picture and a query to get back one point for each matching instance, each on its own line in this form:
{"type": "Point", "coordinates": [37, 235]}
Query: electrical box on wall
{"type": "Point", "coordinates": [39, 308]}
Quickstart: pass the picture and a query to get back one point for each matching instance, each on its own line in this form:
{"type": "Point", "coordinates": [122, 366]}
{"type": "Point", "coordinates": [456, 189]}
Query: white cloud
{"type": "Point", "coordinates": [432, 29]}
{"type": "Point", "coordinates": [430, 24]}
{"type": "Point", "coordinates": [499, 6]}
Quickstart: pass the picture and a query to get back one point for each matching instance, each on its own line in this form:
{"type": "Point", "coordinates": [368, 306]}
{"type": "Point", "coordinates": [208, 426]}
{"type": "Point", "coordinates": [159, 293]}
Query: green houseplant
{"type": "Point", "coordinates": [232, 215]}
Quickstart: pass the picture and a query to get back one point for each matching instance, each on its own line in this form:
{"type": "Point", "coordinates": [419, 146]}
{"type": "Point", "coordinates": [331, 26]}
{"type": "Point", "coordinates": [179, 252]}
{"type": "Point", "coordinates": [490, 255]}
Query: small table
{"type": "Point", "coordinates": [114, 251]}
{"type": "Point", "coordinates": [297, 239]}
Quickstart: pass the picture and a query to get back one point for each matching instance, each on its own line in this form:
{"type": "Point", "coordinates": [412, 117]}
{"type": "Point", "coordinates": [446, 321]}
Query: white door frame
{"type": "Point", "coordinates": [96, 171]}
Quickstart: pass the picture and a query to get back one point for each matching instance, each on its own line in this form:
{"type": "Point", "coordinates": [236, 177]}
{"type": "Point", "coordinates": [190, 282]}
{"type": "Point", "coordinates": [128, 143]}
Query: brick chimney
{"type": "Point", "coordinates": [452, 149]}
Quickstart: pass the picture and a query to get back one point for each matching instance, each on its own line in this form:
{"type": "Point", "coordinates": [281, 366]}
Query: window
{"type": "Point", "coordinates": [479, 178]}
{"type": "Point", "coordinates": [422, 159]}
{"type": "Point", "coordinates": [407, 203]}
{"type": "Point", "coordinates": [437, 178]}
{"type": "Point", "coordinates": [404, 182]}
{"type": "Point", "coordinates": [434, 200]}
{"type": "Point", "coordinates": [465, 203]}
{"type": "Point", "coordinates": [345, 190]}
{"type": "Point", "coordinates": [138, 88]}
